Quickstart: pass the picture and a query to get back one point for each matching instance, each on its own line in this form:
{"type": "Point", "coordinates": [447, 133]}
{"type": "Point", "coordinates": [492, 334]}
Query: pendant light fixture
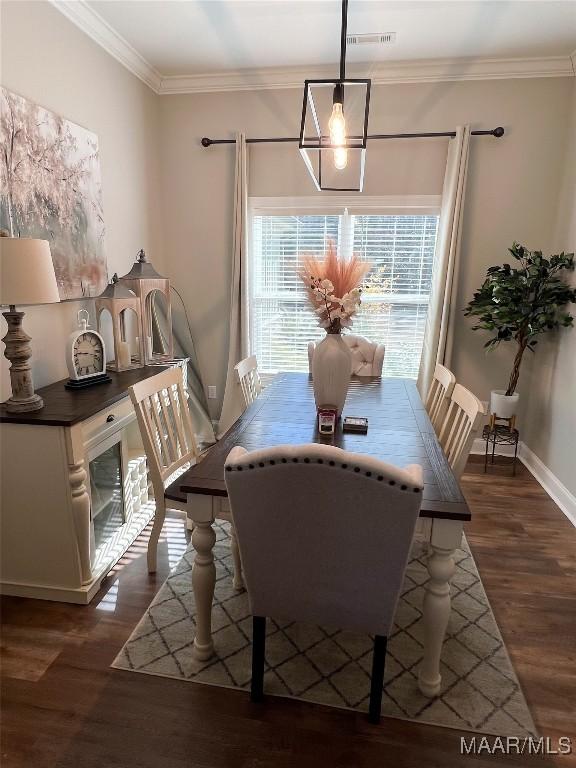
{"type": "Point", "coordinates": [327, 145]}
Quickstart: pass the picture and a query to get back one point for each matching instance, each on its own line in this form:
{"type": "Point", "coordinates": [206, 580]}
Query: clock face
{"type": "Point", "coordinates": [88, 354]}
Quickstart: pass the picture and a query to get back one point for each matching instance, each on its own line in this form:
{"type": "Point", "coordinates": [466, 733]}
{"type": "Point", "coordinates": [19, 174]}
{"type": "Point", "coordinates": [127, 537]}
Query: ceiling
{"type": "Point", "coordinates": [189, 37]}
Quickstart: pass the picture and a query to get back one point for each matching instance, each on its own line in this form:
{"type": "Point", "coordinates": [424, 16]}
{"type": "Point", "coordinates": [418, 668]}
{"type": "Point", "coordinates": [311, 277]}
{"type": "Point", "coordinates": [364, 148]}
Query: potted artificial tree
{"type": "Point", "coordinates": [518, 303]}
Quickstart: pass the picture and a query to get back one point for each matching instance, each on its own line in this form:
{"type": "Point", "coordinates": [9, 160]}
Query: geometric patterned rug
{"type": "Point", "coordinates": [480, 691]}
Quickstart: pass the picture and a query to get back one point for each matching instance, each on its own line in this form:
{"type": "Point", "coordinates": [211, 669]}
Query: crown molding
{"type": "Point", "coordinates": [92, 24]}
{"type": "Point", "coordinates": [438, 70]}
{"type": "Point", "coordinates": [385, 73]}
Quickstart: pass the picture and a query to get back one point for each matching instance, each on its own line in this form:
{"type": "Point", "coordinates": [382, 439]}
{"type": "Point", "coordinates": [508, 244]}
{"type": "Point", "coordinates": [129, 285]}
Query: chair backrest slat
{"type": "Point", "coordinates": [165, 424]}
{"type": "Point", "coordinates": [180, 435]}
{"type": "Point", "coordinates": [169, 426]}
{"type": "Point", "coordinates": [311, 552]}
{"type": "Point", "coordinates": [439, 395]}
{"type": "Point", "coordinates": [148, 432]}
{"type": "Point", "coordinates": [250, 384]}
{"type": "Point", "coordinates": [160, 430]}
{"type": "Point", "coordinates": [186, 420]}
{"type": "Point", "coordinates": [461, 424]}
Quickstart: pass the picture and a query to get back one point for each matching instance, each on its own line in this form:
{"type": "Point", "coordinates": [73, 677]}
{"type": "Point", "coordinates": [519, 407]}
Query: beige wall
{"type": "Point", "coordinates": [50, 61]}
{"type": "Point", "coordinates": [512, 189]}
{"type": "Point", "coordinates": [164, 192]}
{"type": "Point", "coordinates": [550, 379]}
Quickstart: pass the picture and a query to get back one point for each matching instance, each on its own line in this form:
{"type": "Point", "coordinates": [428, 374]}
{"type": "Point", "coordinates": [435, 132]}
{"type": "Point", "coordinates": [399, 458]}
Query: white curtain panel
{"type": "Point", "coordinates": [438, 336]}
{"type": "Point", "coordinates": [233, 404]}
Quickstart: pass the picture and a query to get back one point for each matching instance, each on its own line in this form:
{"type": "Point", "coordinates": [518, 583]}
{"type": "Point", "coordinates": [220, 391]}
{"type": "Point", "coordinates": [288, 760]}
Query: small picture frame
{"type": "Point", "coordinates": [357, 424]}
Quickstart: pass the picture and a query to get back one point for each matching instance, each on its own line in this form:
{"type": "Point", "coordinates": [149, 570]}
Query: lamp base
{"type": "Point", "coordinates": [19, 352]}
{"type": "Point", "coordinates": [34, 403]}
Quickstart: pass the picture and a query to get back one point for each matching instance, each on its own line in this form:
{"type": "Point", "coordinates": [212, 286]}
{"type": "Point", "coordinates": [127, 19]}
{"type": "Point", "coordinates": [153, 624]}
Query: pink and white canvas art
{"type": "Point", "coordinates": [50, 188]}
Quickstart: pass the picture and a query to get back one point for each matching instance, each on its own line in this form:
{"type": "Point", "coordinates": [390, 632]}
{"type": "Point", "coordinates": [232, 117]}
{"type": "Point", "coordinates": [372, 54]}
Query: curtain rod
{"type": "Point", "coordinates": [497, 132]}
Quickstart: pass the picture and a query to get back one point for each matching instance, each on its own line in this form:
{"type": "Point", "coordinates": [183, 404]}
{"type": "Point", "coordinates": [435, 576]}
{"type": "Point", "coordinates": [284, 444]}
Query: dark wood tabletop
{"type": "Point", "coordinates": [65, 407]}
{"type": "Point", "coordinates": [399, 432]}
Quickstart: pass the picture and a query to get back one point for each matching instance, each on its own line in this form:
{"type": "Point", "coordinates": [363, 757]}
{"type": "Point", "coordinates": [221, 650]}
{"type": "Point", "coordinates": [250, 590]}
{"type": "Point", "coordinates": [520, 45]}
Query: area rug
{"type": "Point", "coordinates": [480, 691]}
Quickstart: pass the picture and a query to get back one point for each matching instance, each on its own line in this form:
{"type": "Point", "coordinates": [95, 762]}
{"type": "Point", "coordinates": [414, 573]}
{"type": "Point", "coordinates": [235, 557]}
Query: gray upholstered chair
{"type": "Point", "coordinates": [324, 538]}
{"type": "Point", "coordinates": [367, 357]}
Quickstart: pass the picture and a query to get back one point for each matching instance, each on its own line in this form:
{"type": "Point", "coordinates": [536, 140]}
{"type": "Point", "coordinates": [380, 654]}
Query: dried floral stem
{"type": "Point", "coordinates": [333, 287]}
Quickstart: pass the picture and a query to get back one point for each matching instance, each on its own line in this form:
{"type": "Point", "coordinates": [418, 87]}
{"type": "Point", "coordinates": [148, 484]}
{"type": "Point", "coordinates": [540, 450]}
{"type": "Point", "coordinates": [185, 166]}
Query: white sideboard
{"type": "Point", "coordinates": [74, 489]}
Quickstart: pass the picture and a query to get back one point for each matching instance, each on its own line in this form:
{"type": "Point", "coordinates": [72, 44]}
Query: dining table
{"type": "Point", "coordinates": [399, 432]}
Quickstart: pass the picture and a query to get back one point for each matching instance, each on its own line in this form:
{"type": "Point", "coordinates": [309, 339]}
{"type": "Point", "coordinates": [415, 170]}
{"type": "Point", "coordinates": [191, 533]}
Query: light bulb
{"type": "Point", "coordinates": [337, 125]}
{"type": "Point", "coordinates": [340, 158]}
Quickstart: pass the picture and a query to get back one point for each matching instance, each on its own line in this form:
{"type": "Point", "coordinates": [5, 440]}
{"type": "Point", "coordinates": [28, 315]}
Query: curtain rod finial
{"type": "Point", "coordinates": [498, 132]}
{"type": "Point", "coordinates": [205, 142]}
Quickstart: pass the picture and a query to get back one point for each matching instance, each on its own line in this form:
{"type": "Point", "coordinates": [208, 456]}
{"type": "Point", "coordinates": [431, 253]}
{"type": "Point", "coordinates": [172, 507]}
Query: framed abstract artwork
{"type": "Point", "coordinates": [50, 188]}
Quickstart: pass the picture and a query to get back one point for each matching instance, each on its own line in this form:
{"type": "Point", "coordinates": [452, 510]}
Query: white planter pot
{"type": "Point", "coordinates": [503, 405]}
{"type": "Point", "coordinates": [331, 366]}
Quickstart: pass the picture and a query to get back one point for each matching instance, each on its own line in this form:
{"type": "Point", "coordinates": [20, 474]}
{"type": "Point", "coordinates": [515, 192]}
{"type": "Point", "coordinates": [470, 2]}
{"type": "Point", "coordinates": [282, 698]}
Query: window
{"type": "Point", "coordinates": [399, 241]}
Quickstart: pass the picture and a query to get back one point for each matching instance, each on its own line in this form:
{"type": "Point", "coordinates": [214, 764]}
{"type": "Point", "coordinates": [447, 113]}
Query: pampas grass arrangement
{"type": "Point", "coordinates": [333, 287]}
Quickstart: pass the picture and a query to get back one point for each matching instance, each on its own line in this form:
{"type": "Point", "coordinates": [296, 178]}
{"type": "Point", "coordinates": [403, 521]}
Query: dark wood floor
{"type": "Point", "coordinates": [63, 706]}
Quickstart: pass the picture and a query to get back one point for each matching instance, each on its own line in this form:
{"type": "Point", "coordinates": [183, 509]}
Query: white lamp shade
{"type": "Point", "coordinates": [26, 272]}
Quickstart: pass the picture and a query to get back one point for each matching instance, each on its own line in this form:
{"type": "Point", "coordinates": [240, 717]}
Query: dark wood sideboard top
{"type": "Point", "coordinates": [65, 407]}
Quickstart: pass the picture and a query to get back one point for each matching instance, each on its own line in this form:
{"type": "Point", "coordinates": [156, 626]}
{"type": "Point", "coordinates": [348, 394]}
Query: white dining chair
{"type": "Point", "coordinates": [461, 424]}
{"type": "Point", "coordinates": [170, 445]}
{"type": "Point", "coordinates": [439, 395]}
{"type": "Point", "coordinates": [324, 536]}
{"type": "Point", "coordinates": [249, 378]}
{"type": "Point", "coordinates": [367, 357]}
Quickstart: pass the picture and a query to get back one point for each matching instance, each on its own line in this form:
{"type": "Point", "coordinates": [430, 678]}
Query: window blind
{"type": "Point", "coordinates": [395, 299]}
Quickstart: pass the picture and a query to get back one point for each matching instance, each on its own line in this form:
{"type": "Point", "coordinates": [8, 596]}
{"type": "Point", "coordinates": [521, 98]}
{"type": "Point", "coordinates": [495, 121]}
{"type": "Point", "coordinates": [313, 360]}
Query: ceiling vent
{"type": "Point", "coordinates": [375, 38]}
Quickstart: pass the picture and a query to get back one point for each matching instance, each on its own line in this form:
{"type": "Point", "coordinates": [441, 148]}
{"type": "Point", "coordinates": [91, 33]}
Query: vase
{"type": "Point", "coordinates": [502, 405]}
{"type": "Point", "coordinates": [331, 366]}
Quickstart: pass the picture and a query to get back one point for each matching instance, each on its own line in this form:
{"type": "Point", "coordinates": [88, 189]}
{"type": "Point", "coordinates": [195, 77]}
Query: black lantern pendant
{"type": "Point", "coordinates": [336, 148]}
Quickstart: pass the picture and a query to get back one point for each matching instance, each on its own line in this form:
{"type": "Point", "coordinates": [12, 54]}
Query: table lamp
{"type": "Point", "coordinates": [26, 277]}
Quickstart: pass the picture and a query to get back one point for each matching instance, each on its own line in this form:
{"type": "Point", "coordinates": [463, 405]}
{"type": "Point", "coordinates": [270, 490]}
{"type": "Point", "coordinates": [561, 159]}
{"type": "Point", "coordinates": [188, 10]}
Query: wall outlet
{"type": "Point", "coordinates": [211, 393]}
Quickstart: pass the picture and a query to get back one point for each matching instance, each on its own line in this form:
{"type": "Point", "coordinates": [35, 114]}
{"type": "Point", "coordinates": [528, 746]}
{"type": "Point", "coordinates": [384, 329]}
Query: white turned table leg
{"type": "Point", "coordinates": [203, 572]}
{"type": "Point", "coordinates": [238, 580]}
{"type": "Point", "coordinates": [446, 535]}
{"type": "Point", "coordinates": [437, 605]}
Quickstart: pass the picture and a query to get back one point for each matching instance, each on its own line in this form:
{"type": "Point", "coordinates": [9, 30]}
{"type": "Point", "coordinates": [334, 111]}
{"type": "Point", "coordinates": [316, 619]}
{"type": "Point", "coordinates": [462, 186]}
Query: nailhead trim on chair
{"type": "Point", "coordinates": [368, 473]}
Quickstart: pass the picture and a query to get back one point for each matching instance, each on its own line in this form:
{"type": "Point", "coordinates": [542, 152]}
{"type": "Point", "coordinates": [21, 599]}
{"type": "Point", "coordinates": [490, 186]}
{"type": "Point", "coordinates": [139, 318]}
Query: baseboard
{"type": "Point", "coordinates": [80, 596]}
{"type": "Point", "coordinates": [547, 479]}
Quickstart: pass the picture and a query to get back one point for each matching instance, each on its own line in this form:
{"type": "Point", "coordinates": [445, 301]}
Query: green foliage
{"type": "Point", "coordinates": [521, 301]}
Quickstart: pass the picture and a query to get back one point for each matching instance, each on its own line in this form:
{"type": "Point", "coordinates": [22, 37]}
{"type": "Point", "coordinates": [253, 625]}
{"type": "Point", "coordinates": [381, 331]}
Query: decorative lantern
{"type": "Point", "coordinates": [144, 281]}
{"type": "Point", "coordinates": [121, 302]}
